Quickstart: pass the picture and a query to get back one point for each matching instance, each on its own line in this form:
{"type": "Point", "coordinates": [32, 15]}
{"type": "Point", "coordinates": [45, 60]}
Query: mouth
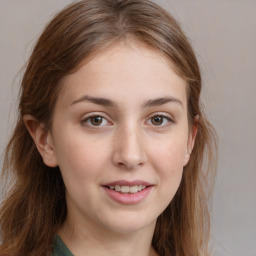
{"type": "Point", "coordinates": [126, 192]}
{"type": "Point", "coordinates": [127, 189]}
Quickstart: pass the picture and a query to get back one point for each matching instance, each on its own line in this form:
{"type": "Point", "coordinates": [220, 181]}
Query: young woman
{"type": "Point", "coordinates": [107, 154]}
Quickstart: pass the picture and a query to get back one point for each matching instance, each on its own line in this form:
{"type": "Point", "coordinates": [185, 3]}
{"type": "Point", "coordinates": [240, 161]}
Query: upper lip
{"type": "Point", "coordinates": [128, 183]}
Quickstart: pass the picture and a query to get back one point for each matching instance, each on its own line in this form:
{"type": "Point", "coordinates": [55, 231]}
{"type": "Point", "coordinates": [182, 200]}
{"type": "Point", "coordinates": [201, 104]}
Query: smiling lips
{"type": "Point", "coordinates": [126, 192]}
{"type": "Point", "coordinates": [128, 189]}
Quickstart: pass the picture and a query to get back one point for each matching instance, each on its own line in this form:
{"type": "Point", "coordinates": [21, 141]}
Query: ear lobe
{"type": "Point", "coordinates": [42, 139]}
{"type": "Point", "coordinates": [190, 144]}
{"type": "Point", "coordinates": [186, 158]}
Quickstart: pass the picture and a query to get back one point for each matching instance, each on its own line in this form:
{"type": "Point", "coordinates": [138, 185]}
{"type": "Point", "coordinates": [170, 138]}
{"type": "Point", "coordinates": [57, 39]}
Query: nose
{"type": "Point", "coordinates": [129, 152]}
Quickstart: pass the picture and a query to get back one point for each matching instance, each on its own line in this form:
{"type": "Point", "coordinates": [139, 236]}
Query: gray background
{"type": "Point", "coordinates": [223, 33]}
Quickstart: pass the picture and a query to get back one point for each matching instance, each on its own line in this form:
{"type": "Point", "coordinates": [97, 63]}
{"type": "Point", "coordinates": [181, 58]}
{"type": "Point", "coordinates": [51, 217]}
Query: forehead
{"type": "Point", "coordinates": [124, 70]}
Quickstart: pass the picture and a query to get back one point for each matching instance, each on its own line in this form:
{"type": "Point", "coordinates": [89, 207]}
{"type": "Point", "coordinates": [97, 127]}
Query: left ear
{"type": "Point", "coordinates": [191, 141]}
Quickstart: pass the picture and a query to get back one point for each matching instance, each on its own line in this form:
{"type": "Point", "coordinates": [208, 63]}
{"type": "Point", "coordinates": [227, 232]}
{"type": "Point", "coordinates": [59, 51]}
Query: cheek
{"type": "Point", "coordinates": [81, 167]}
{"type": "Point", "coordinates": [169, 156]}
{"type": "Point", "coordinates": [80, 158]}
{"type": "Point", "coordinates": [168, 160]}
{"type": "Point", "coordinates": [170, 168]}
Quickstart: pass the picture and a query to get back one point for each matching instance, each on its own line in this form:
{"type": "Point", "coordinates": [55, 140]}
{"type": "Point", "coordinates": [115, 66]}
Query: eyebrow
{"type": "Point", "coordinates": [162, 101]}
{"type": "Point", "coordinates": [95, 100]}
{"type": "Point", "coordinates": [109, 103]}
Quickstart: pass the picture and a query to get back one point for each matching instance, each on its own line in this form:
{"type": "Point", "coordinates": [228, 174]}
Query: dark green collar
{"type": "Point", "coordinates": [59, 248]}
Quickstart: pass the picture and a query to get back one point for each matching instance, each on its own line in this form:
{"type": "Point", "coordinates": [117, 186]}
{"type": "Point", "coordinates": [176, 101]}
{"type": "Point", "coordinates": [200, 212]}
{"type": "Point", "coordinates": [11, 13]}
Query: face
{"type": "Point", "coordinates": [120, 136]}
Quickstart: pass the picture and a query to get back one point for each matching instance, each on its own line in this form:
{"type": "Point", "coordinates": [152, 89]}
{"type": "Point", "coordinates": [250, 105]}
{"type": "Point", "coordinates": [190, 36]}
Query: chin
{"type": "Point", "coordinates": [130, 223]}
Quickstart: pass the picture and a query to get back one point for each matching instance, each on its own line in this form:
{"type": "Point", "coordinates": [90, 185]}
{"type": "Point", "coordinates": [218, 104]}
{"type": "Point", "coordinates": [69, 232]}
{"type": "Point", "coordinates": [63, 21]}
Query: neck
{"type": "Point", "coordinates": [83, 240]}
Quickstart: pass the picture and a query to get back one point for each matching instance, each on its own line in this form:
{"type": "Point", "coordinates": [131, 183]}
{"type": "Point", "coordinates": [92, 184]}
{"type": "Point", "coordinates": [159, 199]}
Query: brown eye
{"type": "Point", "coordinates": [160, 120]}
{"type": "Point", "coordinates": [96, 120]}
{"type": "Point", "coordinates": [157, 120]}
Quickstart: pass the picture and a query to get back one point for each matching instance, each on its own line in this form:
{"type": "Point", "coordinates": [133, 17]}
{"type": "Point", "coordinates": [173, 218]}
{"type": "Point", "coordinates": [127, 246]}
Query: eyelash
{"type": "Point", "coordinates": [166, 119]}
{"type": "Point", "coordinates": [88, 120]}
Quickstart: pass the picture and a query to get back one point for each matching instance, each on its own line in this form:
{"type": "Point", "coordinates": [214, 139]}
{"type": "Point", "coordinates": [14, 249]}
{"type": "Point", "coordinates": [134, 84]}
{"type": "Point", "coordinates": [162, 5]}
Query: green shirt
{"type": "Point", "coordinates": [59, 248]}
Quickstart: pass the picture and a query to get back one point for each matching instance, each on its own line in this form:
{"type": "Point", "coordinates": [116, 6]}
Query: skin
{"type": "Point", "coordinates": [133, 139]}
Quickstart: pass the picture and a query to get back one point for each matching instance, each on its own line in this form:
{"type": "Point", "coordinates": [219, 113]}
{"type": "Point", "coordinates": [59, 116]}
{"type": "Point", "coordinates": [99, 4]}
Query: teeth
{"type": "Point", "coordinates": [125, 189]}
{"type": "Point", "coordinates": [128, 189]}
{"type": "Point", "coordinates": [133, 189]}
{"type": "Point", "coordinates": [117, 188]}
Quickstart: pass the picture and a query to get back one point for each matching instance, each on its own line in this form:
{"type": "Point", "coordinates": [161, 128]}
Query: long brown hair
{"type": "Point", "coordinates": [35, 205]}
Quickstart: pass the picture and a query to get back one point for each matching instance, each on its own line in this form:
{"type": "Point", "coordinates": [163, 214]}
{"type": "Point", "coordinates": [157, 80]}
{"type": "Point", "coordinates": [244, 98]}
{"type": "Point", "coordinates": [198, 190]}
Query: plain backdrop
{"type": "Point", "coordinates": [223, 33]}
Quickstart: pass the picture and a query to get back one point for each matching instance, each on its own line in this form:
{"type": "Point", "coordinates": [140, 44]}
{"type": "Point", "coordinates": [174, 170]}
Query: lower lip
{"type": "Point", "coordinates": [128, 198]}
